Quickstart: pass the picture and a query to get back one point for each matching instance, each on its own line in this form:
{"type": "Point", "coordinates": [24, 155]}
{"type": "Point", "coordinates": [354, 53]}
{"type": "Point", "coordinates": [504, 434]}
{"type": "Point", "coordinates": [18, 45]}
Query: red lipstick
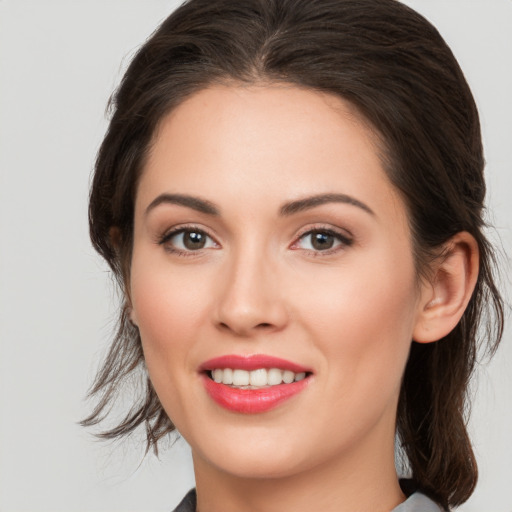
{"type": "Point", "coordinates": [257, 400]}
{"type": "Point", "coordinates": [252, 362]}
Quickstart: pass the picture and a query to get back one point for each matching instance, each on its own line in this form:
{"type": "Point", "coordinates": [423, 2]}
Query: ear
{"type": "Point", "coordinates": [132, 317]}
{"type": "Point", "coordinates": [114, 234]}
{"type": "Point", "coordinates": [445, 297]}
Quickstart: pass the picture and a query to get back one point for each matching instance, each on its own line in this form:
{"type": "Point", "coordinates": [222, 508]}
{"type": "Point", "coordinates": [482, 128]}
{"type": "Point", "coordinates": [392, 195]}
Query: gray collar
{"type": "Point", "coordinates": [417, 502]}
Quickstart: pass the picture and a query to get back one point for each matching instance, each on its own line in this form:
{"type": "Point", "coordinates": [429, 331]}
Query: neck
{"type": "Point", "coordinates": [354, 483]}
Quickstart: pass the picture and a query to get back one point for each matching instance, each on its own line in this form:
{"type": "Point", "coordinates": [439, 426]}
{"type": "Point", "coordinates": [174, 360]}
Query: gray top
{"type": "Point", "coordinates": [416, 502]}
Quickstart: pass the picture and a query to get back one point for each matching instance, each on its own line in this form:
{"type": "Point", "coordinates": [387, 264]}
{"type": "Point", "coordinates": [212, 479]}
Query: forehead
{"type": "Point", "coordinates": [264, 141]}
{"type": "Point", "coordinates": [290, 115]}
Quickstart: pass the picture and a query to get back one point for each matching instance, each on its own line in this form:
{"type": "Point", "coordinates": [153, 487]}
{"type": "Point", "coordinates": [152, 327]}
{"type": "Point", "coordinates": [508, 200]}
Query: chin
{"type": "Point", "coordinates": [249, 454]}
{"type": "Point", "coordinates": [258, 466]}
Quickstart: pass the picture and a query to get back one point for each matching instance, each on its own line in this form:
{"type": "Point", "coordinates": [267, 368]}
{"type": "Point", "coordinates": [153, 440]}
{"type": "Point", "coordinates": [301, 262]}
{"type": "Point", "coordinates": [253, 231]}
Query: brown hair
{"type": "Point", "coordinates": [397, 70]}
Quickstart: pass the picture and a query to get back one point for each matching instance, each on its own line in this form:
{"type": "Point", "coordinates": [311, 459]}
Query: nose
{"type": "Point", "coordinates": [250, 300]}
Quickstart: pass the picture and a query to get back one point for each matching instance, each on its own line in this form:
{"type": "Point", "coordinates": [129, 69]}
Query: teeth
{"type": "Point", "coordinates": [288, 377]}
{"type": "Point", "coordinates": [274, 376]}
{"type": "Point", "coordinates": [240, 378]}
{"type": "Point", "coordinates": [227, 376]}
{"type": "Point", "coordinates": [258, 377]}
{"type": "Point", "coordinates": [255, 378]}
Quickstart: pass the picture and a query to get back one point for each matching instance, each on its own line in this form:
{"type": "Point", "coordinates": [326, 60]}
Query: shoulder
{"type": "Point", "coordinates": [188, 503]}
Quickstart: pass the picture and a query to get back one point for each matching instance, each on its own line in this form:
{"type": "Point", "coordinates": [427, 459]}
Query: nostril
{"type": "Point", "coordinates": [243, 331]}
{"type": "Point", "coordinates": [263, 325]}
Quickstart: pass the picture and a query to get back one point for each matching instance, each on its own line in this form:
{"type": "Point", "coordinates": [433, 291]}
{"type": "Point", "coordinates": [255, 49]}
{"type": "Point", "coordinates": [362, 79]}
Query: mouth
{"type": "Point", "coordinates": [255, 379]}
{"type": "Point", "coordinates": [253, 384]}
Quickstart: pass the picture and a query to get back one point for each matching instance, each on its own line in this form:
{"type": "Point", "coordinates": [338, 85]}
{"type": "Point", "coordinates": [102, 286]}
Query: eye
{"type": "Point", "coordinates": [187, 240]}
{"type": "Point", "coordinates": [319, 240]}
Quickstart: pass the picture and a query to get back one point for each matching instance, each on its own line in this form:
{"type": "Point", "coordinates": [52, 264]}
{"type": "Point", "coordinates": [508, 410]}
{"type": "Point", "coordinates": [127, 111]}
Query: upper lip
{"type": "Point", "coordinates": [251, 362]}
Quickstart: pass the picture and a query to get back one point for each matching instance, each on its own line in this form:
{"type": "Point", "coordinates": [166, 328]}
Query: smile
{"type": "Point", "coordinates": [252, 384]}
{"type": "Point", "coordinates": [254, 379]}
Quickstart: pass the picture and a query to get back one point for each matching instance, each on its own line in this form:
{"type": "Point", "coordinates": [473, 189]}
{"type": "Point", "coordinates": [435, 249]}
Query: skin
{"type": "Point", "coordinates": [259, 287]}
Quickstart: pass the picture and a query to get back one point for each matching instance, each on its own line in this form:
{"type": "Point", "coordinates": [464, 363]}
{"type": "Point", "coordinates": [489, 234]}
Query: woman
{"type": "Point", "coordinates": [290, 194]}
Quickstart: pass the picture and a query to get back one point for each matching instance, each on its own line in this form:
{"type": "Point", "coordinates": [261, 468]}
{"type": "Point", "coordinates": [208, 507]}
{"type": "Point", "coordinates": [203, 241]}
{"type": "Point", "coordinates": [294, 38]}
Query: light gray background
{"type": "Point", "coordinates": [59, 61]}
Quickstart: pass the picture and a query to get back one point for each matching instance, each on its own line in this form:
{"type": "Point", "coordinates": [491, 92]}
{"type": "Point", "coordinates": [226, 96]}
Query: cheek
{"type": "Point", "coordinates": [169, 308]}
{"type": "Point", "coordinates": [363, 318]}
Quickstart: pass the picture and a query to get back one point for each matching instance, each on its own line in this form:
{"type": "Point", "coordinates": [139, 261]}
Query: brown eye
{"type": "Point", "coordinates": [187, 240]}
{"type": "Point", "coordinates": [194, 240]}
{"type": "Point", "coordinates": [322, 240]}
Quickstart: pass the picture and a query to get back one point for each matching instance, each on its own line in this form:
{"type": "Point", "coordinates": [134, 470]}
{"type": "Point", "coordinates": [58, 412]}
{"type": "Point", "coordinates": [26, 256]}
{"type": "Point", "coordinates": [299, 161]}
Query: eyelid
{"type": "Point", "coordinates": [182, 228]}
{"type": "Point", "coordinates": [345, 238]}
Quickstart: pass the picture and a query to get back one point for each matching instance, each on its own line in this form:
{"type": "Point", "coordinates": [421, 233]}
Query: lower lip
{"type": "Point", "coordinates": [252, 401]}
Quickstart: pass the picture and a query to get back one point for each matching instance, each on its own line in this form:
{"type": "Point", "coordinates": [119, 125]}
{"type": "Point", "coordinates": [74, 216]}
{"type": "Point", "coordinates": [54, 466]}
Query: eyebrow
{"type": "Point", "coordinates": [320, 199]}
{"type": "Point", "coordinates": [289, 208]}
{"type": "Point", "coordinates": [196, 203]}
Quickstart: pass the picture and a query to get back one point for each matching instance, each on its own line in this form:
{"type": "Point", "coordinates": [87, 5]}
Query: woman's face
{"type": "Point", "coordinates": [268, 239]}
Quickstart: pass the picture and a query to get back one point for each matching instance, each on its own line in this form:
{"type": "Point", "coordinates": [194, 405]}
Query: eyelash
{"type": "Point", "coordinates": [164, 239]}
{"type": "Point", "coordinates": [344, 240]}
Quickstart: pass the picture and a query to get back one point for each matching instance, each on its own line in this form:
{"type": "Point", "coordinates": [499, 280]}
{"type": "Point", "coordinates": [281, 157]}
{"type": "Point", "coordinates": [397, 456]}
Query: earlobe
{"type": "Point", "coordinates": [132, 317]}
{"type": "Point", "coordinates": [444, 299]}
{"type": "Point", "coordinates": [114, 235]}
